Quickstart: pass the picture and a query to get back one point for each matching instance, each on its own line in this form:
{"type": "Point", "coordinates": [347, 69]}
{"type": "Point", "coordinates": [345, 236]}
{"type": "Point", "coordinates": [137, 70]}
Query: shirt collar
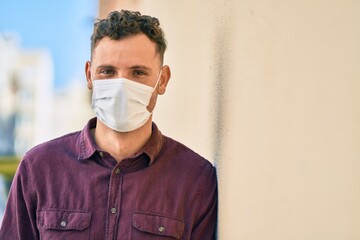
{"type": "Point", "coordinates": [86, 141]}
{"type": "Point", "coordinates": [153, 146]}
{"type": "Point", "coordinates": [88, 147]}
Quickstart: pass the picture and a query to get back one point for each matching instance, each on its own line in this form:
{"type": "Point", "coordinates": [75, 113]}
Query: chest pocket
{"type": "Point", "coordinates": [64, 224]}
{"type": "Point", "coordinates": [147, 226]}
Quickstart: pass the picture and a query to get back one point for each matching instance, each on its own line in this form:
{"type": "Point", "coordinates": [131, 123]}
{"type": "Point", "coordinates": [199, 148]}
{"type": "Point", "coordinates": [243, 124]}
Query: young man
{"type": "Point", "coordinates": [118, 178]}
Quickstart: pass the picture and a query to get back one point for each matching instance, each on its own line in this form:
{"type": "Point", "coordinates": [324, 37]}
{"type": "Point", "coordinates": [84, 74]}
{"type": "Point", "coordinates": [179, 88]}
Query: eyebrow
{"type": "Point", "coordinates": [142, 67]}
{"type": "Point", "coordinates": [105, 66]}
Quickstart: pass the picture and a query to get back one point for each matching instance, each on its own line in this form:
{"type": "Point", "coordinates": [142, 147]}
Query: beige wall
{"type": "Point", "coordinates": [270, 92]}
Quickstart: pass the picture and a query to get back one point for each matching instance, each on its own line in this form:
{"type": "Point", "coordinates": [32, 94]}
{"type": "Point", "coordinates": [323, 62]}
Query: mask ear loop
{"type": "Point", "coordinates": [157, 82]}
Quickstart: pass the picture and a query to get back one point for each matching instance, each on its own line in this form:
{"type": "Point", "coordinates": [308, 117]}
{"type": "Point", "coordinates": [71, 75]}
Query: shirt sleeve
{"type": "Point", "coordinates": [19, 221]}
{"type": "Point", "coordinates": [205, 227]}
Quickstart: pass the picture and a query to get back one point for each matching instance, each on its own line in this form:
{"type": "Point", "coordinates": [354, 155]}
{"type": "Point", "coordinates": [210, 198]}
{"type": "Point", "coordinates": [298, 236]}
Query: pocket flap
{"type": "Point", "coordinates": [62, 219]}
{"type": "Point", "coordinates": [158, 224]}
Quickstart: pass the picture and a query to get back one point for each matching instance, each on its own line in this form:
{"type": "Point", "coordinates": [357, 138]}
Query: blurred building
{"type": "Point", "coordinates": [42, 85]}
{"type": "Point", "coordinates": [26, 99]}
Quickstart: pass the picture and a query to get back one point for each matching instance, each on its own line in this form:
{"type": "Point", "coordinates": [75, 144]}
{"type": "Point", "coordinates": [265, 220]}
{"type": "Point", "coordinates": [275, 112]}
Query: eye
{"type": "Point", "coordinates": [138, 73]}
{"type": "Point", "coordinates": [107, 71]}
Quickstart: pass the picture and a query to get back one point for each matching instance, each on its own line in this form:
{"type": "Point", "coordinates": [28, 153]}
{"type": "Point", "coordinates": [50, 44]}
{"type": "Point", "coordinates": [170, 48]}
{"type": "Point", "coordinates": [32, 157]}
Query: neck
{"type": "Point", "coordinates": [121, 145]}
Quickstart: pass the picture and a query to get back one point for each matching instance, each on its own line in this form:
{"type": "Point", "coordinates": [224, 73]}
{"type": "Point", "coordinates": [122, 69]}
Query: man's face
{"type": "Point", "coordinates": [134, 57]}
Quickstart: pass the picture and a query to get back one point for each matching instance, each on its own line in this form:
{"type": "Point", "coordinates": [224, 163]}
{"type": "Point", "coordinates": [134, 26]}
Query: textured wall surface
{"type": "Point", "coordinates": [289, 165]}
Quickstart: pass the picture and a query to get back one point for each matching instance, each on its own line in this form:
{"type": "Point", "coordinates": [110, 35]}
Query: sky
{"type": "Point", "coordinates": [63, 27]}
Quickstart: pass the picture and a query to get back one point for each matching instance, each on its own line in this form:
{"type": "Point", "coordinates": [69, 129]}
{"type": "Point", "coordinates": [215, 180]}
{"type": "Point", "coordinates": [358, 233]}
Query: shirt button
{"type": "Point", "coordinates": [63, 224]}
{"type": "Point", "coordinates": [113, 210]}
{"type": "Point", "coordinates": [117, 171]}
{"type": "Point", "coordinates": [101, 154]}
{"type": "Point", "coordinates": [161, 229]}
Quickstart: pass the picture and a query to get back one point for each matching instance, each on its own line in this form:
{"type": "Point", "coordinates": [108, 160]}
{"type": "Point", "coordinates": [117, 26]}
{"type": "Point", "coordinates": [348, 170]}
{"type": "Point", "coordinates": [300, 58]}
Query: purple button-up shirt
{"type": "Point", "coordinates": [68, 189]}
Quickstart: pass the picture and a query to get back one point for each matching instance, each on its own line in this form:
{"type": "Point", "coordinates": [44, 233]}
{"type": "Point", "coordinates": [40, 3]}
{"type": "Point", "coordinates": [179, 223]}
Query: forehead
{"type": "Point", "coordinates": [135, 49]}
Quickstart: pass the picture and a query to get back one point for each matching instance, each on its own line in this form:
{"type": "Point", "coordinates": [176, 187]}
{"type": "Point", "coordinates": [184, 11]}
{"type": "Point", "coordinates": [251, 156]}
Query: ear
{"type": "Point", "coordinates": [164, 79]}
{"type": "Point", "coordinates": [88, 74]}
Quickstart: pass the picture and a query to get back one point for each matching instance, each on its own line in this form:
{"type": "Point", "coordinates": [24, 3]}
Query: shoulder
{"type": "Point", "coordinates": [52, 148]}
{"type": "Point", "coordinates": [184, 159]}
{"type": "Point", "coordinates": [181, 151]}
{"type": "Point", "coordinates": [198, 174]}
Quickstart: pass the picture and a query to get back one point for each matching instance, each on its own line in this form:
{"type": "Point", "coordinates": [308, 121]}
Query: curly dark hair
{"type": "Point", "coordinates": [125, 23]}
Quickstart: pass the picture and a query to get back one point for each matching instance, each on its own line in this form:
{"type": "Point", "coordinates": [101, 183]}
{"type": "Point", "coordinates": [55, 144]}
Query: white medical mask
{"type": "Point", "coordinates": [121, 104]}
